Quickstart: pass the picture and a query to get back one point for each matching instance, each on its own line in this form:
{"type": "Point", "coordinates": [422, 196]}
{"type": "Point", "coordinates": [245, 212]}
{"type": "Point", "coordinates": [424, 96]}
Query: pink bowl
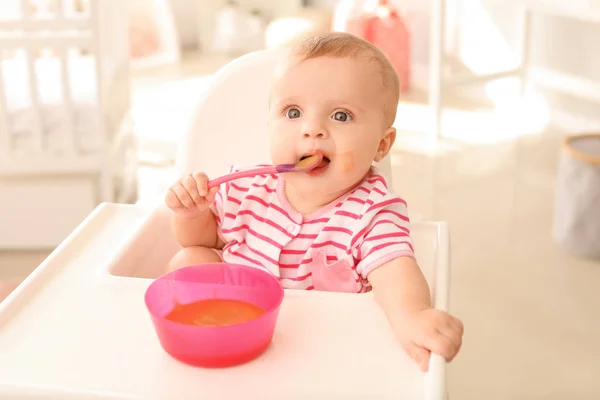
{"type": "Point", "coordinates": [220, 346]}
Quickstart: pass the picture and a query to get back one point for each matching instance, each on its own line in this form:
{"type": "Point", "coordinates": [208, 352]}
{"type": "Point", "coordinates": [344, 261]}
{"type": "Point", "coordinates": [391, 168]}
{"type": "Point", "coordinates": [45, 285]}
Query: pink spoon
{"type": "Point", "coordinates": [306, 164]}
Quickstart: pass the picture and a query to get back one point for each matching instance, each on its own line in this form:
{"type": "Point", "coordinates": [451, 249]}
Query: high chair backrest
{"type": "Point", "coordinates": [229, 125]}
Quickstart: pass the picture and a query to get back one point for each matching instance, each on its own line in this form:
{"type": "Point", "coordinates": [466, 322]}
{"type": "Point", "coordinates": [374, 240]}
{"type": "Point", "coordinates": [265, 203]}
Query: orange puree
{"type": "Point", "coordinates": [214, 312]}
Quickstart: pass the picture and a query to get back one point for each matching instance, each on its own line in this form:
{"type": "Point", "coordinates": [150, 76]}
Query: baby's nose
{"type": "Point", "coordinates": [314, 134]}
{"type": "Point", "coordinates": [314, 128]}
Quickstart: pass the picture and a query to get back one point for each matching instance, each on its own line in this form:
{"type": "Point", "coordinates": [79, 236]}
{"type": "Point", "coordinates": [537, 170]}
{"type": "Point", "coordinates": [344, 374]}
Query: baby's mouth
{"type": "Point", "coordinates": [325, 161]}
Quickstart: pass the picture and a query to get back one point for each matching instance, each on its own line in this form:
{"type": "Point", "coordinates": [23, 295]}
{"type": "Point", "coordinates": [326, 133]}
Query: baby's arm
{"type": "Point", "coordinates": [386, 258]}
{"type": "Point", "coordinates": [402, 292]}
{"type": "Point", "coordinates": [198, 230]}
{"type": "Point", "coordinates": [400, 284]}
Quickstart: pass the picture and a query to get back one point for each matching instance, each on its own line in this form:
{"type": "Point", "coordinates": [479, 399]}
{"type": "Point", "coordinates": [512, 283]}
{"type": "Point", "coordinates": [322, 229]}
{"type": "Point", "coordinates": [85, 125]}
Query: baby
{"type": "Point", "coordinates": [337, 227]}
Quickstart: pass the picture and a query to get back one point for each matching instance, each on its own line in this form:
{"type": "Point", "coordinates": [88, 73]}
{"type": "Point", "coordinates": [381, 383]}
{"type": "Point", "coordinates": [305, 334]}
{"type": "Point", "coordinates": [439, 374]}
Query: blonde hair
{"type": "Point", "coordinates": [341, 45]}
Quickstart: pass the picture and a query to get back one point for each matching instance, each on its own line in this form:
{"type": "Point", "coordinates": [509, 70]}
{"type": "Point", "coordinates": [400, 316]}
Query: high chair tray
{"type": "Point", "coordinates": [76, 330]}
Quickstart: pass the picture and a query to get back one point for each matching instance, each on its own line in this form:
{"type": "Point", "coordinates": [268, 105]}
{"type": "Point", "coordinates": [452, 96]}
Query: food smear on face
{"type": "Point", "coordinates": [214, 312]}
{"type": "Point", "coordinates": [346, 161]}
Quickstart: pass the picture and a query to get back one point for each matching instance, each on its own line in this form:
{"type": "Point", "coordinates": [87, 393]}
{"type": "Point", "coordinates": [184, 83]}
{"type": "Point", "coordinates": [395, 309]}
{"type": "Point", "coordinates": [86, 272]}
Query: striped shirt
{"type": "Point", "coordinates": [334, 248]}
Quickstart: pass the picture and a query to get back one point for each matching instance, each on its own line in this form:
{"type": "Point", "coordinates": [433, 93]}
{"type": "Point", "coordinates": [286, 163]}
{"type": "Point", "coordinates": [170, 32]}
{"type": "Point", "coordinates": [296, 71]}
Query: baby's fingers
{"type": "Point", "coordinates": [452, 329]}
{"type": "Point", "coordinates": [455, 340]}
{"type": "Point", "coordinates": [438, 343]}
{"type": "Point", "coordinates": [201, 181]}
{"type": "Point", "coordinates": [172, 200]}
{"type": "Point", "coordinates": [210, 197]}
{"type": "Point", "coordinates": [419, 354]}
{"type": "Point", "coordinates": [190, 185]}
{"type": "Point", "coordinates": [457, 326]}
{"type": "Point", "coordinates": [183, 195]}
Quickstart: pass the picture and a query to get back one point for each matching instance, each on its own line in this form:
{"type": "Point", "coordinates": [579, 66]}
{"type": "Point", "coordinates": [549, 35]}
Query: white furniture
{"type": "Point", "coordinates": [77, 328]}
{"type": "Point", "coordinates": [64, 100]}
{"type": "Point", "coordinates": [581, 10]}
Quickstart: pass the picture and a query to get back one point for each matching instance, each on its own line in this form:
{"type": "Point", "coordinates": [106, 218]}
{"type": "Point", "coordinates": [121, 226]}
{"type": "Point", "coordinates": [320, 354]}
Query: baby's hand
{"type": "Point", "coordinates": [190, 196]}
{"type": "Point", "coordinates": [431, 330]}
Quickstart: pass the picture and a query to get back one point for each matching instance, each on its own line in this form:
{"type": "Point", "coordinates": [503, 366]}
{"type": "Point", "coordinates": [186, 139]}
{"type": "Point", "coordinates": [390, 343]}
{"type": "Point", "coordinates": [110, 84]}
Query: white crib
{"type": "Point", "coordinates": [65, 144]}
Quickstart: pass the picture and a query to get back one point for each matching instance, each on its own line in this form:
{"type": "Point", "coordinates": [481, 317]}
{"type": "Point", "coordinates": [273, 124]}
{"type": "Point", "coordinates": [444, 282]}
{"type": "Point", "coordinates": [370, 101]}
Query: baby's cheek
{"type": "Point", "coordinates": [346, 161]}
{"type": "Point", "coordinates": [280, 150]}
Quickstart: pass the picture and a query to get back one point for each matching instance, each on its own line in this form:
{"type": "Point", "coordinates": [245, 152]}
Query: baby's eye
{"type": "Point", "coordinates": [342, 116]}
{"type": "Point", "coordinates": [293, 113]}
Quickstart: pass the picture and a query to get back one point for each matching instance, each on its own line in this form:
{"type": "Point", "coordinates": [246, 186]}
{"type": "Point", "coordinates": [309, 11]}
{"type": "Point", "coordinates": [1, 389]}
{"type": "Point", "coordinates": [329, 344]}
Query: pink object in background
{"type": "Point", "coordinates": [383, 26]}
{"type": "Point", "coordinates": [220, 346]}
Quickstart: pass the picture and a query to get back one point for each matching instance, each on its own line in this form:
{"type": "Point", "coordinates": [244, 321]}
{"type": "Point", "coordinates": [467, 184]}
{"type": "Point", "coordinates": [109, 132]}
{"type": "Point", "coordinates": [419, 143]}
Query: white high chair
{"type": "Point", "coordinates": [77, 327]}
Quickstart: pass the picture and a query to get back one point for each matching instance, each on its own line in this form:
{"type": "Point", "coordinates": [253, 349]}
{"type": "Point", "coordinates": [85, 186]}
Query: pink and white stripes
{"type": "Point", "coordinates": [347, 239]}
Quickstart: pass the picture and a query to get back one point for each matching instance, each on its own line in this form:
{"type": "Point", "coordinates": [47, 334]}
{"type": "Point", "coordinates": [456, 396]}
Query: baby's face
{"type": "Point", "coordinates": [330, 105]}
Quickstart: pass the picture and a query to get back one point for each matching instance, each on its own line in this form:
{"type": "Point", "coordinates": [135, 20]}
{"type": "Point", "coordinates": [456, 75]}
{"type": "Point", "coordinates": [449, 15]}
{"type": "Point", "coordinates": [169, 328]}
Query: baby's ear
{"type": "Point", "coordinates": [385, 144]}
